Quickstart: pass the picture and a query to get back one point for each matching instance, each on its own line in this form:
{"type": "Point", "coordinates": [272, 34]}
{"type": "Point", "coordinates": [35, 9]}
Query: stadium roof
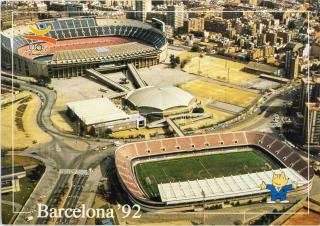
{"type": "Point", "coordinates": [222, 187]}
{"type": "Point", "coordinates": [161, 98]}
{"type": "Point", "coordinates": [98, 110]}
{"type": "Point", "coordinates": [107, 52]}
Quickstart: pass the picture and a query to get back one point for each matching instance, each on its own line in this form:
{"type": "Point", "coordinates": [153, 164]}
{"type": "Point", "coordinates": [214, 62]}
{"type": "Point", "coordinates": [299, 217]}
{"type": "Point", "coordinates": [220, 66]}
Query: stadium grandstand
{"type": "Point", "coordinates": [176, 193]}
{"type": "Point", "coordinates": [82, 43]}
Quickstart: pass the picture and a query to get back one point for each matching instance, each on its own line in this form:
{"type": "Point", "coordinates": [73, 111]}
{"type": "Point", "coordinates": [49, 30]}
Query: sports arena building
{"type": "Point", "coordinates": [182, 193]}
{"type": "Point", "coordinates": [96, 116]}
{"type": "Point", "coordinates": [82, 43]}
{"type": "Point", "coordinates": [160, 101]}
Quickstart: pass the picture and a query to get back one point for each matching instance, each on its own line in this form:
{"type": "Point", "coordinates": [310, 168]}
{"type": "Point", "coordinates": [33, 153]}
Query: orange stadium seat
{"type": "Point", "coordinates": [141, 148]}
{"type": "Point", "coordinates": [240, 138]}
{"type": "Point", "coordinates": [182, 143]}
{"type": "Point", "coordinates": [154, 146]}
{"type": "Point", "coordinates": [227, 139]}
{"type": "Point", "coordinates": [199, 142]}
{"type": "Point", "coordinates": [170, 144]}
{"type": "Point", "coordinates": [214, 140]}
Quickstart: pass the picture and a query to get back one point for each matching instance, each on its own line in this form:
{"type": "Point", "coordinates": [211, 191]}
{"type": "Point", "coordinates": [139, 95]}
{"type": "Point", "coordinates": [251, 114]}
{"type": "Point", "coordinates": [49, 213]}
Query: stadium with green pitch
{"type": "Point", "coordinates": [184, 172]}
{"type": "Point", "coordinates": [188, 168]}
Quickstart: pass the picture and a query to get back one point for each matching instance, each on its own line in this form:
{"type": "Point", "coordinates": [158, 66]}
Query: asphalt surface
{"type": "Point", "coordinates": [78, 183]}
{"type": "Point", "coordinates": [65, 156]}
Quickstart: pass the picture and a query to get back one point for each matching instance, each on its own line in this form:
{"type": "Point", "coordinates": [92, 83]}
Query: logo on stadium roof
{"type": "Point", "coordinates": [40, 30]}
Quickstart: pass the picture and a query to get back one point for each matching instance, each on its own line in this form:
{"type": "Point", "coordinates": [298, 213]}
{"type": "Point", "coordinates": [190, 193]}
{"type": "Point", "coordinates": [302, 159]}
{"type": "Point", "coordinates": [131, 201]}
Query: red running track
{"type": "Point", "coordinates": [72, 44]}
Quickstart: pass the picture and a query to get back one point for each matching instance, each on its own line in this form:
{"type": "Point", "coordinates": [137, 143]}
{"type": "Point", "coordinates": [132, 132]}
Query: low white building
{"type": "Point", "coordinates": [96, 116]}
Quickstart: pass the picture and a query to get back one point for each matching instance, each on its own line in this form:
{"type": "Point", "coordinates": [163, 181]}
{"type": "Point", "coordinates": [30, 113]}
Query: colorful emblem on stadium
{"type": "Point", "coordinates": [40, 30]}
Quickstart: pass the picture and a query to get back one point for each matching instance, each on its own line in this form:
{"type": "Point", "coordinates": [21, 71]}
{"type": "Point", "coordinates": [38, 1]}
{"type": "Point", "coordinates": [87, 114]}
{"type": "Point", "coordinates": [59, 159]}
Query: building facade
{"type": "Point", "coordinates": [175, 16]}
{"type": "Point", "coordinates": [311, 124]}
{"type": "Point", "coordinates": [142, 9]}
{"type": "Point", "coordinates": [193, 24]}
{"type": "Point", "coordinates": [310, 90]}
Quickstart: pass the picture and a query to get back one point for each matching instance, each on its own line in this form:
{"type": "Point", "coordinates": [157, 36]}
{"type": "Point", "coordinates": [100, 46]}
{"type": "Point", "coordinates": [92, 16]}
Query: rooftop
{"type": "Point", "coordinates": [161, 98]}
{"type": "Point", "coordinates": [261, 67]}
{"type": "Point", "coordinates": [222, 187]}
{"type": "Point", "coordinates": [98, 110]}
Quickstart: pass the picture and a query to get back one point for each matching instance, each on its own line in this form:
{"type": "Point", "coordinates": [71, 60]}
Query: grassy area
{"type": "Point", "coordinates": [19, 127]}
{"type": "Point", "coordinates": [62, 122]}
{"type": "Point", "coordinates": [6, 161]}
{"type": "Point", "coordinates": [216, 68]}
{"type": "Point", "coordinates": [221, 93]}
{"type": "Point", "coordinates": [188, 55]}
{"type": "Point", "coordinates": [27, 186]}
{"type": "Point", "coordinates": [6, 213]}
{"type": "Point", "coordinates": [199, 167]}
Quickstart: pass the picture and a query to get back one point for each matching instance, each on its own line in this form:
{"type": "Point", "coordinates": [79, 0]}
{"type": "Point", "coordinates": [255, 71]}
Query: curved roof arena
{"type": "Point", "coordinates": [161, 98]}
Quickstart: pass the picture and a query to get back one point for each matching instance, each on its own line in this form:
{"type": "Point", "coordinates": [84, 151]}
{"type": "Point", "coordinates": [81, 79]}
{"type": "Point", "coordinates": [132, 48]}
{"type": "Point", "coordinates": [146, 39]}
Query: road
{"type": "Point", "coordinates": [64, 155]}
{"type": "Point", "coordinates": [78, 183]}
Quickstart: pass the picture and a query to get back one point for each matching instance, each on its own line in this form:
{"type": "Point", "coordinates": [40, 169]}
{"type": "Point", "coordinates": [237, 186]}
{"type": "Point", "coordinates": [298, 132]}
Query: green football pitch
{"type": "Point", "coordinates": [150, 174]}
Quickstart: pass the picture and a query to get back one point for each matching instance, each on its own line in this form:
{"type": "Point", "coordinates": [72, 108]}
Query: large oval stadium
{"type": "Point", "coordinates": [80, 44]}
{"type": "Point", "coordinates": [174, 172]}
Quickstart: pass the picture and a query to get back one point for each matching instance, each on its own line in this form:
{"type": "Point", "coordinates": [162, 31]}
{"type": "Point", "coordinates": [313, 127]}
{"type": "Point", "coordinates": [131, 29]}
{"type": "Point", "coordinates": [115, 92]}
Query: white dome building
{"type": "Point", "coordinates": [160, 101]}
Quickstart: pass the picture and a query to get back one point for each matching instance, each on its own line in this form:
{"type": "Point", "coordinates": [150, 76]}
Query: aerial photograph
{"type": "Point", "coordinates": [160, 112]}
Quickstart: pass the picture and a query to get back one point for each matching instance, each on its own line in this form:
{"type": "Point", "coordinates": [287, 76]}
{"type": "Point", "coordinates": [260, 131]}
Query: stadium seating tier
{"type": "Point", "coordinates": [125, 154]}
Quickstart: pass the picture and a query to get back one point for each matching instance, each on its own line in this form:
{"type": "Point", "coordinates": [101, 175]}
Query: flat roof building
{"type": "Point", "coordinates": [95, 116]}
{"type": "Point", "coordinates": [262, 68]}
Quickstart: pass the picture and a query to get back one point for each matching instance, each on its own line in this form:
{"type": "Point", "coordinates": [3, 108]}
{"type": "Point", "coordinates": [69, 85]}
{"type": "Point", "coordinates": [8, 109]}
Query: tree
{"type": "Point", "coordinates": [195, 48]}
{"type": "Point", "coordinates": [43, 80]}
{"type": "Point", "coordinates": [184, 62]}
{"type": "Point", "coordinates": [108, 131]}
{"type": "Point", "coordinates": [173, 61]}
{"type": "Point", "coordinates": [178, 60]}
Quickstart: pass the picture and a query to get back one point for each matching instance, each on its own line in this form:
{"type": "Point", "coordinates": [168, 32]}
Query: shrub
{"type": "Point", "coordinates": [198, 110]}
{"type": "Point", "coordinates": [196, 48]}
